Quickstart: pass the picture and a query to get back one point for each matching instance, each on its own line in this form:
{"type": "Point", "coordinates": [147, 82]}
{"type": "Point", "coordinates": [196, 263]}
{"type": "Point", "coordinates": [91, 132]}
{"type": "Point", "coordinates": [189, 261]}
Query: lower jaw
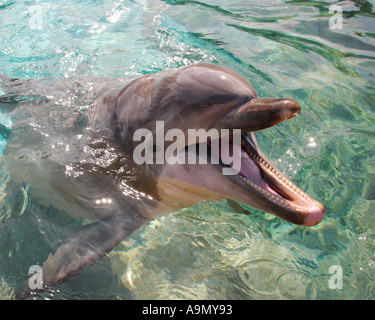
{"type": "Point", "coordinates": [302, 209]}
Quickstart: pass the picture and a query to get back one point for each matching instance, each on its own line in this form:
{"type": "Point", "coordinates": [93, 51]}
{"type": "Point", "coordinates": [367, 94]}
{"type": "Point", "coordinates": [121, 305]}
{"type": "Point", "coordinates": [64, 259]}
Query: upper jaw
{"type": "Point", "coordinates": [259, 113]}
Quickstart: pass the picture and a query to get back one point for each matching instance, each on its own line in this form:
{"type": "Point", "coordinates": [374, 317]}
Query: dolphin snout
{"type": "Point", "coordinates": [261, 113]}
{"type": "Point", "coordinates": [286, 109]}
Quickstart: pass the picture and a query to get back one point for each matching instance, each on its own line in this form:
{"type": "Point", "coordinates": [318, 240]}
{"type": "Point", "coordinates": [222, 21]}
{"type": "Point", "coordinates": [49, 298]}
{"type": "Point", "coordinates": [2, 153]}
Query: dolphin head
{"type": "Point", "coordinates": [210, 97]}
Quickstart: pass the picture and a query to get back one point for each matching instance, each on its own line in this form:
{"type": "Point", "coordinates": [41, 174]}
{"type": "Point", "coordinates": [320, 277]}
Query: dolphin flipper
{"type": "Point", "coordinates": [86, 246]}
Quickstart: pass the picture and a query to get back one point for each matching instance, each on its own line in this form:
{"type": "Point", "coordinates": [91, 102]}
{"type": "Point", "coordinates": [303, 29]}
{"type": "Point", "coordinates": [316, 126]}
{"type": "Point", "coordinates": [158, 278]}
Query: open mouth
{"type": "Point", "coordinates": [280, 196]}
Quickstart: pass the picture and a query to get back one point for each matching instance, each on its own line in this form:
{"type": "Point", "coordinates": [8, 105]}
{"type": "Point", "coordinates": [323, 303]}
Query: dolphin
{"type": "Point", "coordinates": [75, 148]}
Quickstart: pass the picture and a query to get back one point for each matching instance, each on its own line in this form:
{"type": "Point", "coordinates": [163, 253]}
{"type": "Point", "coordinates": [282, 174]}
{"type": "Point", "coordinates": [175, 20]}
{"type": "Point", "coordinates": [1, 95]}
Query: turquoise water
{"type": "Point", "coordinates": [284, 48]}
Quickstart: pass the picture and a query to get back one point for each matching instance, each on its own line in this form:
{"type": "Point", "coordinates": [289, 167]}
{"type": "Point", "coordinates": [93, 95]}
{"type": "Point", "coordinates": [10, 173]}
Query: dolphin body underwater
{"type": "Point", "coordinates": [72, 143]}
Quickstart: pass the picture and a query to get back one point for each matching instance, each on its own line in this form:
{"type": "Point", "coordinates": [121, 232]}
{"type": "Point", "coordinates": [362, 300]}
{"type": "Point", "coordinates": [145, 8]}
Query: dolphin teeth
{"type": "Point", "coordinates": [278, 176]}
{"type": "Point", "coordinates": [280, 190]}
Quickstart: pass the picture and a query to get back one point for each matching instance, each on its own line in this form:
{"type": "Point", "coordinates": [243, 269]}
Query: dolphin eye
{"type": "Point", "coordinates": [201, 106]}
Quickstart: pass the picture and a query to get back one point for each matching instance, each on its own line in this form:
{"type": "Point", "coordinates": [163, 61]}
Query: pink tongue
{"type": "Point", "coordinates": [248, 169]}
